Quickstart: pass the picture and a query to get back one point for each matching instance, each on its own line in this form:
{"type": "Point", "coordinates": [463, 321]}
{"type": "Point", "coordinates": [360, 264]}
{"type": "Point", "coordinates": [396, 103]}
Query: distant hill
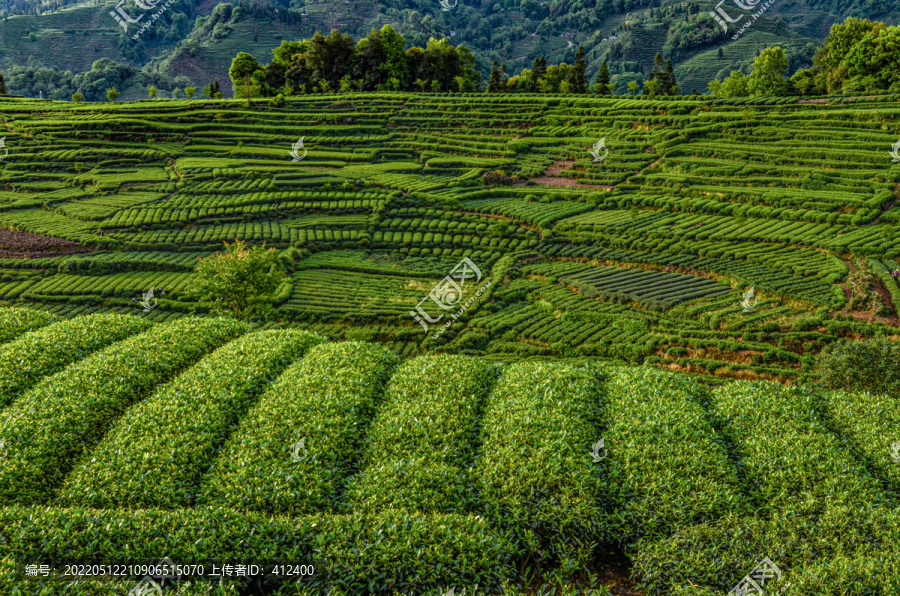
{"type": "Point", "coordinates": [190, 43]}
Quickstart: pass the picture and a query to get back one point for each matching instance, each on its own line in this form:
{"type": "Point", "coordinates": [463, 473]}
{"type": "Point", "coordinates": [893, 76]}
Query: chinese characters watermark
{"type": "Point", "coordinates": [753, 582]}
{"type": "Point", "coordinates": [447, 295]}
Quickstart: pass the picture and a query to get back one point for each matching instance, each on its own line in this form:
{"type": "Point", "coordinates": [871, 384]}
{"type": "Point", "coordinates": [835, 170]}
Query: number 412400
{"type": "Point", "coordinates": [293, 570]}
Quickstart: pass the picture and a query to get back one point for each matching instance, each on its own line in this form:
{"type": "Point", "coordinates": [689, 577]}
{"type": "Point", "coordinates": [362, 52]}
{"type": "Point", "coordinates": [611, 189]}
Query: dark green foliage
{"type": "Point", "coordinates": [871, 365]}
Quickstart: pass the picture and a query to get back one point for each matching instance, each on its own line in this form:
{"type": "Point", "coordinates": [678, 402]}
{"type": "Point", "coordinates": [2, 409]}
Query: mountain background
{"type": "Point", "coordinates": [50, 48]}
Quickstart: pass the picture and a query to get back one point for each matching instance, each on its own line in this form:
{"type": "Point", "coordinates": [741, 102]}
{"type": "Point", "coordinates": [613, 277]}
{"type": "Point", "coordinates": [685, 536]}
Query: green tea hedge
{"type": "Point", "coordinates": [326, 400]}
{"type": "Point", "coordinates": [157, 452]}
{"type": "Point", "coordinates": [536, 472]}
{"type": "Point", "coordinates": [421, 446]}
{"type": "Point", "coordinates": [16, 321]}
{"type": "Point", "coordinates": [34, 355]}
{"type": "Point", "coordinates": [54, 422]}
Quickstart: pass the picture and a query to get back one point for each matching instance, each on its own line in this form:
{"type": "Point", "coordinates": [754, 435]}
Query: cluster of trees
{"type": "Point", "coordinates": [50, 83]}
{"type": "Point", "coordinates": [859, 56]}
{"type": "Point", "coordinates": [379, 62]}
{"type": "Point", "coordinates": [766, 78]}
{"type": "Point", "coordinates": [566, 78]}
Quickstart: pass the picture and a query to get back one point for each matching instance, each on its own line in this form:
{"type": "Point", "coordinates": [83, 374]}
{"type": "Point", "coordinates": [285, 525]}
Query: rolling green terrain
{"type": "Point", "coordinates": [644, 257]}
{"type": "Point", "coordinates": [338, 469]}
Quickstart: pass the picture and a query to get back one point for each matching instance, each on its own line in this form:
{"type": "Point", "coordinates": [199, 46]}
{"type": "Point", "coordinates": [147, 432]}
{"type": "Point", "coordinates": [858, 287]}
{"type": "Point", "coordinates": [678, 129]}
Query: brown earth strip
{"type": "Point", "coordinates": [24, 245]}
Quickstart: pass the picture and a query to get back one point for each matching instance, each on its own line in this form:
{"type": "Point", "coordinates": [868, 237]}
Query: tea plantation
{"type": "Point", "coordinates": [495, 357]}
{"type": "Point", "coordinates": [339, 468]}
{"type": "Point", "coordinates": [642, 257]}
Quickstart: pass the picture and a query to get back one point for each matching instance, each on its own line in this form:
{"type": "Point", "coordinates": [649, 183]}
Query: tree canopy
{"type": "Point", "coordinates": [378, 62]}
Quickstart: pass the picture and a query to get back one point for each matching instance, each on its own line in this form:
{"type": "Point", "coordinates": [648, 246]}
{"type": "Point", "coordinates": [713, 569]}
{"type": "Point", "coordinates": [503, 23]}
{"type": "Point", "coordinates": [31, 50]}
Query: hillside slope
{"type": "Point", "coordinates": [515, 33]}
{"type": "Point", "coordinates": [732, 238]}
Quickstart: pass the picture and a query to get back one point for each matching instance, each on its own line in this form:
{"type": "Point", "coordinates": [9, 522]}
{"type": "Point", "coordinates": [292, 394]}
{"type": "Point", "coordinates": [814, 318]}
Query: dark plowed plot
{"type": "Point", "coordinates": [22, 245]}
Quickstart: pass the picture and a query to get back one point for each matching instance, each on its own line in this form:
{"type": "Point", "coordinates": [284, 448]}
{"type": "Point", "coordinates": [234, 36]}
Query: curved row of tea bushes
{"type": "Point", "coordinates": [814, 553]}
{"type": "Point", "coordinates": [325, 400]}
{"type": "Point", "coordinates": [43, 352]}
{"type": "Point", "coordinates": [16, 321]}
{"type": "Point", "coordinates": [536, 472]}
{"type": "Point", "coordinates": [788, 459]}
{"type": "Point", "coordinates": [666, 470]}
{"type": "Point", "coordinates": [157, 452]}
{"type": "Point", "coordinates": [381, 553]}
{"type": "Point", "coordinates": [814, 499]}
{"type": "Point", "coordinates": [870, 424]}
{"type": "Point", "coordinates": [420, 449]}
{"type": "Point", "coordinates": [54, 422]}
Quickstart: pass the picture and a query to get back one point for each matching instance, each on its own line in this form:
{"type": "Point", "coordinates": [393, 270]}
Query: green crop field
{"type": "Point", "coordinates": [339, 468]}
{"type": "Point", "coordinates": [495, 357]}
{"type": "Point", "coordinates": [643, 257]}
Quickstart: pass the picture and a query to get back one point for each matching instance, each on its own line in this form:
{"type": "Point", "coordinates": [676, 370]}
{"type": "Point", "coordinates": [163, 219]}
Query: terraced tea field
{"type": "Point", "coordinates": [644, 256]}
{"type": "Point", "coordinates": [339, 468]}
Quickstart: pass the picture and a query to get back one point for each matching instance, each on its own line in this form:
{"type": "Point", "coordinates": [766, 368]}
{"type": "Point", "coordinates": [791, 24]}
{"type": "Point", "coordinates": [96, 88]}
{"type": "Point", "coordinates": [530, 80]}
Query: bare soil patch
{"type": "Point", "coordinates": [552, 177]}
{"type": "Point", "coordinates": [23, 245]}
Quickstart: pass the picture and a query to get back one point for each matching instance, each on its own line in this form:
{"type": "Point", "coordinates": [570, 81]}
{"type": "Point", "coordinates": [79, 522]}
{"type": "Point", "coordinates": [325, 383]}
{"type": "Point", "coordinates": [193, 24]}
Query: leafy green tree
{"type": "Point", "coordinates": [767, 77]}
{"type": "Point", "coordinates": [668, 83]}
{"type": "Point", "coordinates": [152, 91]}
{"type": "Point", "coordinates": [330, 58]}
{"type": "Point", "coordinates": [77, 97]}
{"type": "Point", "coordinates": [241, 72]}
{"type": "Point", "coordinates": [112, 94]}
{"type": "Point", "coordinates": [190, 91]}
{"type": "Point", "coordinates": [538, 71]}
{"type": "Point", "coordinates": [651, 86]}
{"type": "Point", "coordinates": [284, 54]}
{"type": "Point", "coordinates": [633, 86]}
{"type": "Point", "coordinates": [735, 85]}
{"type": "Point", "coordinates": [421, 84]}
{"type": "Point", "coordinates": [369, 60]}
{"type": "Point", "coordinates": [239, 280]}
{"type": "Point", "coordinates": [395, 65]}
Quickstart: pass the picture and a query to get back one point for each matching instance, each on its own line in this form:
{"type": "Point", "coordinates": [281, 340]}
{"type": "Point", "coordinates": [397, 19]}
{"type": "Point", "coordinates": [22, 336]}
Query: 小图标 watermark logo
{"type": "Point", "coordinates": [724, 19]}
{"type": "Point", "coordinates": [448, 4]}
{"type": "Point", "coordinates": [595, 454]}
{"type": "Point", "coordinates": [3, 147]}
{"type": "Point", "coordinates": [601, 144]}
{"type": "Point", "coordinates": [146, 587]}
{"type": "Point", "coordinates": [448, 294]}
{"type": "Point", "coordinates": [295, 150]}
{"type": "Point", "coordinates": [895, 151]}
{"type": "Point", "coordinates": [295, 451]}
{"type": "Point", "coordinates": [749, 301]}
{"type": "Point", "coordinates": [149, 302]}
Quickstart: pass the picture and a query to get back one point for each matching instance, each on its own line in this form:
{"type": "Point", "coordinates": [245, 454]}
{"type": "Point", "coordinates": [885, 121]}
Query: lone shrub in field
{"type": "Point", "coordinates": [239, 280]}
{"type": "Point", "coordinates": [871, 365]}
